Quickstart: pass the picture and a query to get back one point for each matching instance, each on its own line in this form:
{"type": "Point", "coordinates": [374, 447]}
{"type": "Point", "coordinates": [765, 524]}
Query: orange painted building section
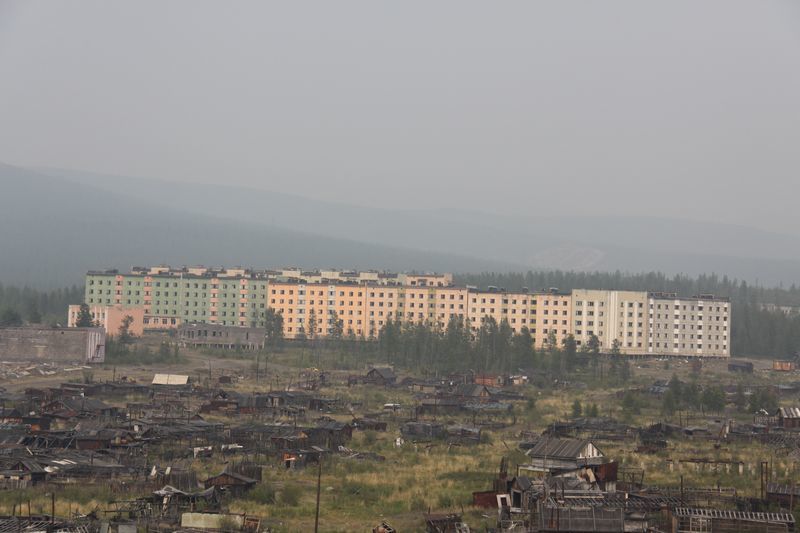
{"type": "Point", "coordinates": [364, 309]}
{"type": "Point", "coordinates": [110, 317]}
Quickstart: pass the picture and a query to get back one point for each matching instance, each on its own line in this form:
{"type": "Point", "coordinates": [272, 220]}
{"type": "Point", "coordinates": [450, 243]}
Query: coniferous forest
{"type": "Point", "coordinates": [31, 306]}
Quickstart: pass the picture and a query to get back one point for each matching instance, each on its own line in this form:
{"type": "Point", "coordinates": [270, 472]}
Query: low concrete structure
{"type": "Point", "coordinates": [215, 521]}
{"type": "Point", "coordinates": [221, 337]}
{"type": "Point", "coordinates": [78, 345]}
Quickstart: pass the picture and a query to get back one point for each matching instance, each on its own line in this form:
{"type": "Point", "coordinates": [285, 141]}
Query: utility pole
{"type": "Point", "coordinates": [319, 485]}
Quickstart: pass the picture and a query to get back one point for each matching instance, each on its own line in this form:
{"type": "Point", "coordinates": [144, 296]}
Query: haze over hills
{"type": "Point", "coordinates": [452, 237]}
{"type": "Point", "coordinates": [634, 137]}
{"type": "Point", "coordinates": [54, 230]}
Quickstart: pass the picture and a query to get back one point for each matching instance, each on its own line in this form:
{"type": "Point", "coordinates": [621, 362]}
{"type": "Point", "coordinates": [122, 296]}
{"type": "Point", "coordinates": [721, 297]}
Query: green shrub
{"type": "Point", "coordinates": [445, 500]}
{"type": "Point", "coordinates": [290, 495]}
{"type": "Point", "coordinates": [262, 493]}
{"type": "Point", "coordinates": [417, 503]}
{"type": "Point", "coordinates": [369, 438]}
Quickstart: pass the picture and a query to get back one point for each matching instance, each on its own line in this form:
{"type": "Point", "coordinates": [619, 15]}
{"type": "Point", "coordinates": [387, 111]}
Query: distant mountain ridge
{"type": "Point", "coordinates": [569, 242]}
{"type": "Point", "coordinates": [53, 230]}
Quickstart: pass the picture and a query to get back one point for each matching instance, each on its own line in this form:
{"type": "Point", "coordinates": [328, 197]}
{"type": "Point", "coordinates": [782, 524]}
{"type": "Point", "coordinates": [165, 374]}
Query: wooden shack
{"type": "Point", "coordinates": [788, 417]}
{"type": "Point", "coordinates": [380, 376]}
{"type": "Point", "coordinates": [235, 484]}
{"type": "Point", "coordinates": [744, 367]}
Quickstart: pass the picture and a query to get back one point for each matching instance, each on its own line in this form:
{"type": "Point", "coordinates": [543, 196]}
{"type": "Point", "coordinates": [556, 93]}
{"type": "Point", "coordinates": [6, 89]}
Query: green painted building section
{"type": "Point", "coordinates": [171, 299]}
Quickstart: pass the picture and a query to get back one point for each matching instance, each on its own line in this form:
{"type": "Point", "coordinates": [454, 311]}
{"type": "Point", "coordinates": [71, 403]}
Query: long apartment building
{"type": "Point", "coordinates": [365, 309]}
{"type": "Point", "coordinates": [228, 297]}
{"type": "Point", "coordinates": [635, 322]}
{"type": "Point", "coordinates": [170, 297]}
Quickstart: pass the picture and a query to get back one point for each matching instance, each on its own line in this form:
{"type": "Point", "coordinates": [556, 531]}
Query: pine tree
{"type": "Point", "coordinates": [10, 317]}
{"type": "Point", "coordinates": [125, 330]}
{"type": "Point", "coordinates": [84, 318]}
{"type": "Point", "coordinates": [33, 314]}
{"type": "Point", "coordinates": [311, 332]}
{"type": "Point", "coordinates": [273, 328]}
{"type": "Point", "coordinates": [336, 327]}
{"type": "Point", "coordinates": [570, 352]}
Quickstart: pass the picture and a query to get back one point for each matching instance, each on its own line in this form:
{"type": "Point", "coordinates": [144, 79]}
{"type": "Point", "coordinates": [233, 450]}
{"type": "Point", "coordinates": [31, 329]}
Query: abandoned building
{"type": "Point", "coordinates": [79, 407]}
{"type": "Point", "coordinates": [422, 431]}
{"type": "Point", "coordinates": [234, 483]}
{"type": "Point", "coordinates": [786, 496]}
{"type": "Point", "coordinates": [744, 367]}
{"type": "Point", "coordinates": [788, 417]}
{"type": "Point", "coordinates": [575, 458]}
{"type": "Point", "coordinates": [440, 406]}
{"type": "Point", "coordinates": [220, 337]}
{"type": "Point", "coordinates": [472, 392]}
{"type": "Point", "coordinates": [369, 424]}
{"type": "Point", "coordinates": [383, 376]}
{"type": "Point", "coordinates": [490, 380]}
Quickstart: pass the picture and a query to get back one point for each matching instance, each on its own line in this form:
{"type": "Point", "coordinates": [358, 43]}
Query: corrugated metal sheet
{"type": "Point", "coordinates": [789, 412]}
{"type": "Point", "coordinates": [170, 379]}
{"type": "Point", "coordinates": [558, 448]}
{"type": "Point", "coordinates": [735, 515]}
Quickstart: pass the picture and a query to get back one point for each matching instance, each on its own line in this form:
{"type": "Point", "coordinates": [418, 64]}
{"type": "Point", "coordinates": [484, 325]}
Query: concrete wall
{"type": "Point", "coordinates": [76, 345]}
{"type": "Point", "coordinates": [211, 520]}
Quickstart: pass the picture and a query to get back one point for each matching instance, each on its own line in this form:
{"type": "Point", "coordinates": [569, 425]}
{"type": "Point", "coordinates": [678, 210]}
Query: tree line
{"type": "Point", "coordinates": [31, 306]}
{"type": "Point", "coordinates": [493, 348]}
{"type": "Point", "coordinates": [691, 396]}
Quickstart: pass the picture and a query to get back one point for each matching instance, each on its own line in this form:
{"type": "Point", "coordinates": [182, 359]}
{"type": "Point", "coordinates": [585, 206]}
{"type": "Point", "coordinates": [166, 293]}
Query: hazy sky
{"type": "Point", "coordinates": [678, 107]}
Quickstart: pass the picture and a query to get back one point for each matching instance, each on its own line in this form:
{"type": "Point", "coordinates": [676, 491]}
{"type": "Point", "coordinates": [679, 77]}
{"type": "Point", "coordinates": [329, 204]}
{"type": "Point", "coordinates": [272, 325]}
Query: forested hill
{"type": "Point", "coordinates": [755, 332]}
{"type": "Point", "coordinates": [52, 231]}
